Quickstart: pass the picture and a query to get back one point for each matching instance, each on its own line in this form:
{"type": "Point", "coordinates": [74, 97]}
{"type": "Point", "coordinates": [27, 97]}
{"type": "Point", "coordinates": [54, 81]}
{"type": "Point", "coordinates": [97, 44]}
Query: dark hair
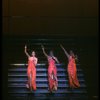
{"type": "Point", "coordinates": [51, 53]}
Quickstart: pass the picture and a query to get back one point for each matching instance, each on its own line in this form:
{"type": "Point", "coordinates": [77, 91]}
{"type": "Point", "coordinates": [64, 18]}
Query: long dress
{"type": "Point", "coordinates": [31, 72]}
{"type": "Point", "coordinates": [72, 73]}
{"type": "Point", "coordinates": [52, 70]}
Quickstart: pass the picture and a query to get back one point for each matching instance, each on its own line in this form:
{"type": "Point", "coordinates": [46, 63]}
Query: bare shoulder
{"type": "Point", "coordinates": [36, 58]}
{"type": "Point", "coordinates": [54, 57]}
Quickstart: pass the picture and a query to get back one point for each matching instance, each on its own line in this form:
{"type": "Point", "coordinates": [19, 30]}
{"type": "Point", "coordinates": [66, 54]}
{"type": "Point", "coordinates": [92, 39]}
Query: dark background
{"type": "Point", "coordinates": [54, 18]}
{"type": "Point", "coordinates": [27, 17]}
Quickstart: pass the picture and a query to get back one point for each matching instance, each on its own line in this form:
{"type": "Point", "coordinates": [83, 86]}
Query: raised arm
{"type": "Point", "coordinates": [26, 51]}
{"type": "Point", "coordinates": [65, 51]}
{"type": "Point", "coordinates": [44, 51]}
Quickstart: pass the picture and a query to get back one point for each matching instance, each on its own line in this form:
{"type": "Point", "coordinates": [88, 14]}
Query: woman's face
{"type": "Point", "coordinates": [33, 53]}
{"type": "Point", "coordinates": [71, 53]}
{"type": "Point", "coordinates": [51, 53]}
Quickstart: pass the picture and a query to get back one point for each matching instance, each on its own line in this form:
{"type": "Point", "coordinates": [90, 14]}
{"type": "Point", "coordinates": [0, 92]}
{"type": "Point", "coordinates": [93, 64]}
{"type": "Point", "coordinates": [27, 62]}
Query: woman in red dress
{"type": "Point", "coordinates": [52, 70]}
{"type": "Point", "coordinates": [72, 71]}
{"type": "Point", "coordinates": [31, 70]}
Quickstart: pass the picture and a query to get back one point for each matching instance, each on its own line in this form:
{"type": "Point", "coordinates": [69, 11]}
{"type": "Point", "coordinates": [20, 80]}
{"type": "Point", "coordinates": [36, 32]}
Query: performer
{"type": "Point", "coordinates": [72, 71]}
{"type": "Point", "coordinates": [52, 70]}
{"type": "Point", "coordinates": [31, 70]}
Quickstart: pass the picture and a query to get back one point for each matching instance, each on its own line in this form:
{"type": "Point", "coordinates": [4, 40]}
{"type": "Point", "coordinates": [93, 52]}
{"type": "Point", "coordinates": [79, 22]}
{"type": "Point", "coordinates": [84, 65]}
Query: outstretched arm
{"type": "Point", "coordinates": [26, 51]}
{"type": "Point", "coordinates": [44, 51]}
{"type": "Point", "coordinates": [64, 51]}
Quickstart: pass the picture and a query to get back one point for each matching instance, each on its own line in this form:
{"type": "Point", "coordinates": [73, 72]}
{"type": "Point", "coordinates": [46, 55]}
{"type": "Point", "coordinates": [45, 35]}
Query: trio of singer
{"type": "Point", "coordinates": [52, 69]}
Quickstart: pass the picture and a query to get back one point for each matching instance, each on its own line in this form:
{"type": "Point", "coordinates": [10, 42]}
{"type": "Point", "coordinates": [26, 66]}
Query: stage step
{"type": "Point", "coordinates": [40, 69]}
{"type": "Point", "coordinates": [46, 91]}
{"type": "Point", "coordinates": [23, 85]}
{"type": "Point", "coordinates": [17, 72]}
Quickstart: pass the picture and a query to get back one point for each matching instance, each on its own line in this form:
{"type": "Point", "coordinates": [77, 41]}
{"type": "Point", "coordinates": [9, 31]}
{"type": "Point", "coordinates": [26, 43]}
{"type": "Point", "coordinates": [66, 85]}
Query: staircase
{"type": "Point", "coordinates": [17, 76]}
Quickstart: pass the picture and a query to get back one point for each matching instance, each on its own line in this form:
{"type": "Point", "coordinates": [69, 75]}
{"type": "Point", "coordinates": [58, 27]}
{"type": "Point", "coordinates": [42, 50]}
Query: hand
{"type": "Point", "coordinates": [25, 46]}
{"type": "Point", "coordinates": [61, 46]}
{"type": "Point", "coordinates": [42, 46]}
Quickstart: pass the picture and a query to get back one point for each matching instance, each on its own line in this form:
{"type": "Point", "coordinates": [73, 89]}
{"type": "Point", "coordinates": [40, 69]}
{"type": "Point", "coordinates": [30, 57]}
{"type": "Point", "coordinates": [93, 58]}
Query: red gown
{"type": "Point", "coordinates": [52, 69]}
{"type": "Point", "coordinates": [31, 70]}
{"type": "Point", "coordinates": [72, 73]}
